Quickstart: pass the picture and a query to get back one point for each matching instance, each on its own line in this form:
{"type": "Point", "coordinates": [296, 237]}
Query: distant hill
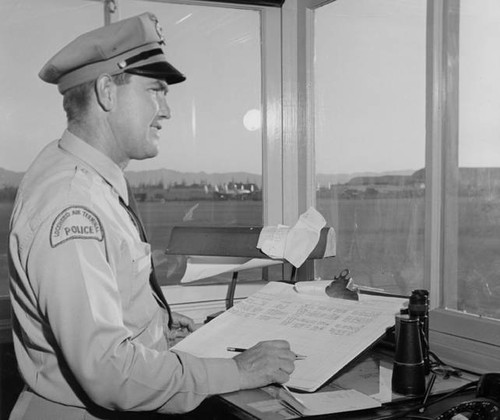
{"type": "Point", "coordinates": [169, 177]}
{"type": "Point", "coordinates": [154, 177]}
{"type": "Point", "coordinates": [489, 177]}
{"type": "Point", "coordinates": [344, 178]}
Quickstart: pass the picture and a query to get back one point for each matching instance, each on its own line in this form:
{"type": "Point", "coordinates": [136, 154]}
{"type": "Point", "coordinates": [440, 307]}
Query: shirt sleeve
{"type": "Point", "coordinates": [81, 303]}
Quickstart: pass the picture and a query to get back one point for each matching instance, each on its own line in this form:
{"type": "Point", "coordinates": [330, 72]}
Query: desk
{"type": "Point", "coordinates": [365, 375]}
{"type": "Point", "coordinates": [221, 409]}
{"type": "Point", "coordinates": [229, 407]}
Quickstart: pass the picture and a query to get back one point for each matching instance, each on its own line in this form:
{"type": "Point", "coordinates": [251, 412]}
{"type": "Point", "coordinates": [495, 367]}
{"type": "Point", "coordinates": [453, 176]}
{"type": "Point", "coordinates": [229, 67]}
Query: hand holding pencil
{"type": "Point", "coordinates": [265, 363]}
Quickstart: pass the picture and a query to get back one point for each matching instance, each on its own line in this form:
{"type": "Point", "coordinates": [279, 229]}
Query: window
{"type": "Point", "coordinates": [473, 187]}
{"type": "Point", "coordinates": [210, 170]}
{"type": "Point", "coordinates": [369, 131]}
{"type": "Point", "coordinates": [463, 102]}
{"type": "Point", "coordinates": [468, 319]}
{"type": "Point", "coordinates": [456, 258]}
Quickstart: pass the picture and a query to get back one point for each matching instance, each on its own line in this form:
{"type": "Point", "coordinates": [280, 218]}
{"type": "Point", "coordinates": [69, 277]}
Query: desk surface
{"type": "Point", "coordinates": [222, 409]}
{"type": "Point", "coordinates": [370, 375]}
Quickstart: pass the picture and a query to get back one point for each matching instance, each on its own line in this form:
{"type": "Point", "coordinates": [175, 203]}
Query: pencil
{"type": "Point", "coordinates": [236, 349]}
{"type": "Point", "coordinates": [239, 350]}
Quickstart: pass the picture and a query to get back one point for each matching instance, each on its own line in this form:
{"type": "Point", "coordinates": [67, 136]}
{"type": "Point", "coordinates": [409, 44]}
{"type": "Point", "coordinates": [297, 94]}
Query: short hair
{"type": "Point", "coordinates": [77, 99]}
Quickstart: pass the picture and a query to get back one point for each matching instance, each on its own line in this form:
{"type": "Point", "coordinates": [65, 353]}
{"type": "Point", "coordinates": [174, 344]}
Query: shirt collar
{"type": "Point", "coordinates": [98, 161]}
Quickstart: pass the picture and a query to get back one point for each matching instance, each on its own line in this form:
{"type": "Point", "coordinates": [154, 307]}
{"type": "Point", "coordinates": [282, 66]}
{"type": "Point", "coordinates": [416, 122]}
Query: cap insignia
{"type": "Point", "coordinates": [159, 29]}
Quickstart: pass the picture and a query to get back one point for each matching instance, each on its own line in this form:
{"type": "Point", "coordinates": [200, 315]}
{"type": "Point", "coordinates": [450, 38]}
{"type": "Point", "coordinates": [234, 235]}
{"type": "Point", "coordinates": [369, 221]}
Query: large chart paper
{"type": "Point", "coordinates": [329, 332]}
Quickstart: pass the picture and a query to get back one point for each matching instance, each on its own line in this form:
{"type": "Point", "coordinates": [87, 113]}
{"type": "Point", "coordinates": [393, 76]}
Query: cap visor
{"type": "Point", "coordinates": [161, 70]}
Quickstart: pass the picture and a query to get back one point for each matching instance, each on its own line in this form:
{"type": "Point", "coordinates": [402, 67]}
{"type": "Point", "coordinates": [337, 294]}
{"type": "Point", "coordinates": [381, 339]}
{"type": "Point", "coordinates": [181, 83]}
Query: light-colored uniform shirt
{"type": "Point", "coordinates": [85, 322]}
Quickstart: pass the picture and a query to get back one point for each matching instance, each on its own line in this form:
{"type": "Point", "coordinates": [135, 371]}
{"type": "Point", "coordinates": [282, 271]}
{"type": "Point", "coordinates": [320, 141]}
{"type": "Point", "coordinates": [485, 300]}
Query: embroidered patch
{"type": "Point", "coordinates": [75, 222]}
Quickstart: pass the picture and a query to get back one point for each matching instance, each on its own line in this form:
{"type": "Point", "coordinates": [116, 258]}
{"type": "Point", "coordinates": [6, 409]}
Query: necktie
{"type": "Point", "coordinates": [153, 281]}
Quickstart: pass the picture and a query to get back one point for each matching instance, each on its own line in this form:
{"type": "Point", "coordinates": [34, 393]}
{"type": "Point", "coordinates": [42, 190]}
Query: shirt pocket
{"type": "Point", "coordinates": [141, 260]}
{"type": "Point", "coordinates": [139, 305]}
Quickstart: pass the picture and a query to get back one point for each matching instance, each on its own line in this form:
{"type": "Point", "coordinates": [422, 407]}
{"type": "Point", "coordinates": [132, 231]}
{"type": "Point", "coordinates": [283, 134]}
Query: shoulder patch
{"type": "Point", "coordinates": [76, 222]}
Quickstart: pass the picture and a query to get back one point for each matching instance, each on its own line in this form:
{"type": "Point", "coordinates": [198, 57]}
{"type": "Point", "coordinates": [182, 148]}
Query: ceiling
{"type": "Point", "coordinates": [272, 3]}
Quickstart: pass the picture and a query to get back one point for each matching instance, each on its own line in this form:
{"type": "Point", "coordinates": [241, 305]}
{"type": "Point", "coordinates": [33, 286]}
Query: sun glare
{"type": "Point", "coordinates": [252, 120]}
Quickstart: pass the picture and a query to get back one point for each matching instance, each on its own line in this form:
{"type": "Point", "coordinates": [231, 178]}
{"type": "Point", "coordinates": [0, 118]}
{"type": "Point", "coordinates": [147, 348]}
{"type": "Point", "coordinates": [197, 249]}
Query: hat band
{"type": "Point", "coordinates": [110, 66]}
{"type": "Point", "coordinates": [140, 57]}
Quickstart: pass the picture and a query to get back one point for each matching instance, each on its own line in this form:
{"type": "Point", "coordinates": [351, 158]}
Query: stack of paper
{"type": "Point", "coordinates": [329, 332]}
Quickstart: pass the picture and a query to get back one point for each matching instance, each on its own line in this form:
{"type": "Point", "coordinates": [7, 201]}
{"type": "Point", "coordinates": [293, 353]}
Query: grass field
{"type": "Point", "coordinates": [379, 240]}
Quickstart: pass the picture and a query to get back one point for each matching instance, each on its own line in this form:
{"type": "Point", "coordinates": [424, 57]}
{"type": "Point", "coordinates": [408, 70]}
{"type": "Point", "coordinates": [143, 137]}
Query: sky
{"type": "Point", "coordinates": [370, 60]}
{"type": "Point", "coordinates": [369, 70]}
{"type": "Point", "coordinates": [217, 48]}
{"type": "Point", "coordinates": [370, 85]}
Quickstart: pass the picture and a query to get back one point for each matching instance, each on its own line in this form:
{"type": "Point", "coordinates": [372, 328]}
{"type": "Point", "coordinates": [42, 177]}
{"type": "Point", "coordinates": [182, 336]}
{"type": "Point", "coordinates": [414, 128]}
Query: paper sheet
{"type": "Point", "coordinates": [315, 287]}
{"type": "Point", "coordinates": [296, 243]}
{"type": "Point", "coordinates": [272, 407]}
{"type": "Point", "coordinates": [336, 402]}
{"type": "Point", "coordinates": [330, 332]}
{"type": "Point", "coordinates": [198, 268]}
{"type": "Point", "coordinates": [272, 240]}
{"type": "Point", "coordinates": [279, 243]}
{"type": "Point", "coordinates": [385, 385]}
{"type": "Point", "coordinates": [303, 237]}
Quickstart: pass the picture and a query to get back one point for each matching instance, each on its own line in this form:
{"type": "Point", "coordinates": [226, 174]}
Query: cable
{"type": "Point", "coordinates": [402, 413]}
{"type": "Point", "coordinates": [440, 367]}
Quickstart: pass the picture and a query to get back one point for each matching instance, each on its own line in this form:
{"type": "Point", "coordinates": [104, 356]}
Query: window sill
{"type": "Point", "coordinates": [465, 341]}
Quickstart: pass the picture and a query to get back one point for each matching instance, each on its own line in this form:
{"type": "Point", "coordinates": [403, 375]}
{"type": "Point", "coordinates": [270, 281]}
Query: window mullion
{"type": "Point", "coordinates": [272, 173]}
{"type": "Point", "coordinates": [450, 151]}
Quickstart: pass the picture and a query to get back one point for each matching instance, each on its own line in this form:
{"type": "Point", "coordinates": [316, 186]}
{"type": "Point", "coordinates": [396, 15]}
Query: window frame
{"type": "Point", "coordinates": [457, 338]}
{"type": "Point", "coordinates": [465, 340]}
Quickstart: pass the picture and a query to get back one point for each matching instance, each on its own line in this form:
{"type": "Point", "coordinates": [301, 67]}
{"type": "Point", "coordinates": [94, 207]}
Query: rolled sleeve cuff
{"type": "Point", "coordinates": [223, 375]}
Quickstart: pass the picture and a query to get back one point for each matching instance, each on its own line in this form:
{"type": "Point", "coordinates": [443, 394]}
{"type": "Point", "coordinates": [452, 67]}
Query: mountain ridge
{"type": "Point", "coordinates": [171, 177]}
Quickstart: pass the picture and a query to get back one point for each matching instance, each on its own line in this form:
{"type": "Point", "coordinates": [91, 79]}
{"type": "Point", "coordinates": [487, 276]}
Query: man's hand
{"type": "Point", "coordinates": [180, 322]}
{"type": "Point", "coordinates": [265, 363]}
{"type": "Point", "coordinates": [181, 327]}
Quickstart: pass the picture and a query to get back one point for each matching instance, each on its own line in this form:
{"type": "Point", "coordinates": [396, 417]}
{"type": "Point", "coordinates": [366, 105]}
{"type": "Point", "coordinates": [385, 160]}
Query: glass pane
{"type": "Point", "coordinates": [209, 170]}
{"type": "Point", "coordinates": [475, 285]}
{"type": "Point", "coordinates": [31, 113]}
{"type": "Point", "coordinates": [369, 74]}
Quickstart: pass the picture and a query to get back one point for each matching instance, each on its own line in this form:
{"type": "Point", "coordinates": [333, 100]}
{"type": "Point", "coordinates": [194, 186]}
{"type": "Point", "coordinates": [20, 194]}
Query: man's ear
{"type": "Point", "coordinates": [105, 90]}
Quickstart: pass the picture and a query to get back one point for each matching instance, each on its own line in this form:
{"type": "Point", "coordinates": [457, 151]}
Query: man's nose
{"type": "Point", "coordinates": [164, 110]}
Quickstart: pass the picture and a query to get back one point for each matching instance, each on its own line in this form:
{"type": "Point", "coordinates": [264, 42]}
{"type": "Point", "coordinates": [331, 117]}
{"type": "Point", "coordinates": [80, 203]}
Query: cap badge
{"type": "Point", "coordinates": [159, 29]}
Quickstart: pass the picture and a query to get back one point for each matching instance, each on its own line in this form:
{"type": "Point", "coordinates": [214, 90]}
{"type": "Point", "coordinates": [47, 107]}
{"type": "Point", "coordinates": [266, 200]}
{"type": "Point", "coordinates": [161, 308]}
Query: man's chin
{"type": "Point", "coordinates": [148, 155]}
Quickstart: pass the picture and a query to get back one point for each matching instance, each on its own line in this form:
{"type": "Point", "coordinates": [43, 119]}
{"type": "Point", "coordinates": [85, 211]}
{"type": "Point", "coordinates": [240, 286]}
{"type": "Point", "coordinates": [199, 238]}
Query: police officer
{"type": "Point", "coordinates": [90, 323]}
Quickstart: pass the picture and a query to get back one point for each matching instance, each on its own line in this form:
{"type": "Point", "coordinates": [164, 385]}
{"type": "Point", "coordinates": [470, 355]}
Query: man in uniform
{"type": "Point", "coordinates": [90, 322]}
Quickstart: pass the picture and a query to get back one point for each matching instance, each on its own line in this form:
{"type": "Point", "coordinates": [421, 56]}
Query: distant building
{"type": "Point", "coordinates": [199, 192]}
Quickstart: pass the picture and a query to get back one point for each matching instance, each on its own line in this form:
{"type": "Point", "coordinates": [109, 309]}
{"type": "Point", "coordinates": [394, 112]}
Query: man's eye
{"type": "Point", "coordinates": [159, 91]}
